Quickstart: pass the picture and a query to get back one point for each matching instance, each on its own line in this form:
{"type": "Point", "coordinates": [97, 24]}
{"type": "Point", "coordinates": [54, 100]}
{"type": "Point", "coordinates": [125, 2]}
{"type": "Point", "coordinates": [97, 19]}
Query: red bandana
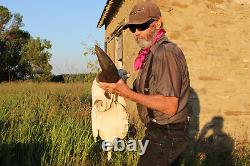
{"type": "Point", "coordinates": [138, 63]}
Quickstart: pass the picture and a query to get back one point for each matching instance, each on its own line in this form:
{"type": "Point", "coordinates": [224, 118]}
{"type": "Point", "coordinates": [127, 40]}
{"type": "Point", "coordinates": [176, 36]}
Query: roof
{"type": "Point", "coordinates": [110, 7]}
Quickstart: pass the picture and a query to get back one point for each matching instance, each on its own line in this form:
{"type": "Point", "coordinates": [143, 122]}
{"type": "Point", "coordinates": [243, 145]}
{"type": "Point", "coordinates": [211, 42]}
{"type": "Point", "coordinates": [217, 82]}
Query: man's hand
{"type": "Point", "coordinates": [119, 88]}
{"type": "Point", "coordinates": [167, 105]}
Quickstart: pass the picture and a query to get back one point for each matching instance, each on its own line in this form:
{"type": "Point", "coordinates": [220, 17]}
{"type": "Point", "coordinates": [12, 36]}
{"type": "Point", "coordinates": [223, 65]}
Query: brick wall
{"type": "Point", "coordinates": [214, 36]}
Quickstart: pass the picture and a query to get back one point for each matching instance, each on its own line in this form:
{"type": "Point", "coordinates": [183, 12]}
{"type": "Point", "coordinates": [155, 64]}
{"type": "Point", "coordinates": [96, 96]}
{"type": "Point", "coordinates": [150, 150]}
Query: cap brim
{"type": "Point", "coordinates": [126, 25]}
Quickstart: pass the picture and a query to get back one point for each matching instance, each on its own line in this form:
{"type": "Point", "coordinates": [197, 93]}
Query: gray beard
{"type": "Point", "coordinates": [143, 43]}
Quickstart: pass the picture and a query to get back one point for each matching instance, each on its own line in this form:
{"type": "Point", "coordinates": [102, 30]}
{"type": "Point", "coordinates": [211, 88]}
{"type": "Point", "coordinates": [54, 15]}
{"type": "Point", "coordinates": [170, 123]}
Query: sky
{"type": "Point", "coordinates": [68, 25]}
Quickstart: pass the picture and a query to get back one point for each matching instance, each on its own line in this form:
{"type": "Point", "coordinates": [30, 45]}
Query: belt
{"type": "Point", "coordinates": [171, 126]}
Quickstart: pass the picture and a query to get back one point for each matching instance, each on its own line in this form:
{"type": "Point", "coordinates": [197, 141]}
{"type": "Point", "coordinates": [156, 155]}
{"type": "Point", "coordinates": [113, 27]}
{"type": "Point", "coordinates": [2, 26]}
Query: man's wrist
{"type": "Point", "coordinates": [131, 95]}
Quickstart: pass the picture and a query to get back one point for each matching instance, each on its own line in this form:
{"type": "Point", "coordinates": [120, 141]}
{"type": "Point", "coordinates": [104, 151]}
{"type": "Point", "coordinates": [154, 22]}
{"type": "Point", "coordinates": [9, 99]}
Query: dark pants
{"type": "Point", "coordinates": [166, 144]}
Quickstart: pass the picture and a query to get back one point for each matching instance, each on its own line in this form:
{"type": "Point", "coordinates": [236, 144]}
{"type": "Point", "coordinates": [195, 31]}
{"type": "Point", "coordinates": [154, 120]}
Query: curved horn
{"type": "Point", "coordinates": [109, 71]}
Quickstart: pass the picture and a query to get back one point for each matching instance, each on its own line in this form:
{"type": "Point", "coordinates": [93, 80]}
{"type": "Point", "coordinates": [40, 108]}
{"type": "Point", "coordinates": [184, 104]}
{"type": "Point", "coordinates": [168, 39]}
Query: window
{"type": "Point", "coordinates": [119, 50]}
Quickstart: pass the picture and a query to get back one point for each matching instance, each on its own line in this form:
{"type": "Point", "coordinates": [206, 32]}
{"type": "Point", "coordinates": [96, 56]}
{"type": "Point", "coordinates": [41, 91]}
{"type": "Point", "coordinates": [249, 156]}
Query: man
{"type": "Point", "coordinates": [161, 89]}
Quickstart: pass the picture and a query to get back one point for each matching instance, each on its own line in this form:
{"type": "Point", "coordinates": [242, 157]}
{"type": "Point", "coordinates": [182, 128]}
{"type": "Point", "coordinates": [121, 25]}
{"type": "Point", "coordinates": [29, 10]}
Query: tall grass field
{"type": "Point", "coordinates": [49, 124]}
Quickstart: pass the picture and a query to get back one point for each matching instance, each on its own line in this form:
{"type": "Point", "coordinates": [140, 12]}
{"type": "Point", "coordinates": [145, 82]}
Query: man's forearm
{"type": "Point", "coordinates": [167, 105]}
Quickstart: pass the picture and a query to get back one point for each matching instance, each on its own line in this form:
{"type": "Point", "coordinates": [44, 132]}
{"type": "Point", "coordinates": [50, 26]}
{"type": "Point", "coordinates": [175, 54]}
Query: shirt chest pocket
{"type": "Point", "coordinates": [150, 86]}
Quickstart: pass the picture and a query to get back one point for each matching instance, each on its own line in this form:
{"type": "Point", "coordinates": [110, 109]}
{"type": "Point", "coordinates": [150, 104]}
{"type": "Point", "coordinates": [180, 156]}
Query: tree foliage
{"type": "Point", "coordinates": [93, 65]}
{"type": "Point", "coordinates": [35, 58]}
{"type": "Point", "coordinates": [21, 56]}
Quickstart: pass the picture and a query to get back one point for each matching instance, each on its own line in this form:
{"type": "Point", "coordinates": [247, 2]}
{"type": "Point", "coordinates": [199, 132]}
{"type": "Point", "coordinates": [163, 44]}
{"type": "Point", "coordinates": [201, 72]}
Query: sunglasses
{"type": "Point", "coordinates": [140, 27]}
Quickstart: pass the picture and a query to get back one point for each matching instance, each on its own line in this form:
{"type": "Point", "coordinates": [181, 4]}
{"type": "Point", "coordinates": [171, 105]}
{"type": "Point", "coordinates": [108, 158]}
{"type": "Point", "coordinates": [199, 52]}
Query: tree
{"type": "Point", "coordinates": [35, 60]}
{"type": "Point", "coordinates": [5, 17]}
{"type": "Point", "coordinates": [16, 47]}
{"type": "Point", "coordinates": [11, 40]}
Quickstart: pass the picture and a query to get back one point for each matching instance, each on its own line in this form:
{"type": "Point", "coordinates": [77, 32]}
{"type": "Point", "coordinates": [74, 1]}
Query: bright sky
{"type": "Point", "coordinates": [67, 24]}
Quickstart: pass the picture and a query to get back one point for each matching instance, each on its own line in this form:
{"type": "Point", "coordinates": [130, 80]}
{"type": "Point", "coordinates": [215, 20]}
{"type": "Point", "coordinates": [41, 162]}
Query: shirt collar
{"type": "Point", "coordinates": [157, 44]}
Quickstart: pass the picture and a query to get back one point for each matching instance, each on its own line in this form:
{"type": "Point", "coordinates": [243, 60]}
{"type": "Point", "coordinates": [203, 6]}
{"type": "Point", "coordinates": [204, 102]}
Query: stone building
{"type": "Point", "coordinates": [215, 38]}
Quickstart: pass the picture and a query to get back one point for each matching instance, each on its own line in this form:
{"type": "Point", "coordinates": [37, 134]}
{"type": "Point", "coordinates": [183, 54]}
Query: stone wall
{"type": "Point", "coordinates": [214, 36]}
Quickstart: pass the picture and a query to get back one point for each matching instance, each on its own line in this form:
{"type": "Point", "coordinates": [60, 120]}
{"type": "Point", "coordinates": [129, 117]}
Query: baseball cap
{"type": "Point", "coordinates": [142, 12]}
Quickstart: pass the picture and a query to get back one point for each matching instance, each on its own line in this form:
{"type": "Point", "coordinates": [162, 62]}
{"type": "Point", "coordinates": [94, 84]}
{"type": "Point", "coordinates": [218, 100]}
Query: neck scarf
{"type": "Point", "coordinates": [138, 63]}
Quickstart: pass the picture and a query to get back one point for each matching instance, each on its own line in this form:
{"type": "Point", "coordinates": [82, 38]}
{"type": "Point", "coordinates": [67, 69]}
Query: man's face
{"type": "Point", "coordinates": [143, 36]}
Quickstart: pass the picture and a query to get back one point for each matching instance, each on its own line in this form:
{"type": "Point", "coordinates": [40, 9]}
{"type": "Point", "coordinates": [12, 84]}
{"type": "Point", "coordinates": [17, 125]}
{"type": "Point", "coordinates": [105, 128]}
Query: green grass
{"type": "Point", "coordinates": [49, 124]}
